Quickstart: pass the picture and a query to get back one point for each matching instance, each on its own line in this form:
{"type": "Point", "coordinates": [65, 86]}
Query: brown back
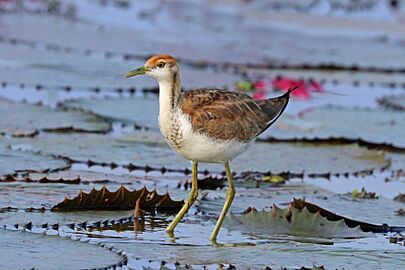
{"type": "Point", "coordinates": [228, 115]}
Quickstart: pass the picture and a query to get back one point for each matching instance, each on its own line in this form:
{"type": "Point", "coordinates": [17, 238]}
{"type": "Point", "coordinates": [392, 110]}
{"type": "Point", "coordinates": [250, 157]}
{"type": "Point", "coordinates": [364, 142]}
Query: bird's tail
{"type": "Point", "coordinates": [290, 90]}
{"type": "Point", "coordinates": [274, 107]}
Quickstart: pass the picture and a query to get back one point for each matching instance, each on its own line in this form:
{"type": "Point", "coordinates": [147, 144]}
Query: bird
{"type": "Point", "coordinates": [207, 125]}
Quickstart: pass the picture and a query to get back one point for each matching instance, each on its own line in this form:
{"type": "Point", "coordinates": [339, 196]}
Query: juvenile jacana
{"type": "Point", "coordinates": [207, 125]}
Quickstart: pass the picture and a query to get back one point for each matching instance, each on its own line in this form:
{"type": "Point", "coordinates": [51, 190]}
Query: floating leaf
{"type": "Point", "coordinates": [17, 161]}
{"type": "Point", "coordinates": [27, 120]}
{"type": "Point", "coordinates": [142, 148]}
{"type": "Point", "coordinates": [121, 199]}
{"type": "Point", "coordinates": [59, 68]}
{"type": "Point", "coordinates": [42, 180]}
{"type": "Point", "coordinates": [301, 218]}
{"type": "Point", "coordinates": [310, 51]}
{"type": "Point", "coordinates": [22, 195]}
{"type": "Point", "coordinates": [375, 126]}
{"type": "Point", "coordinates": [60, 253]}
{"type": "Point", "coordinates": [135, 110]}
{"type": "Point", "coordinates": [90, 177]}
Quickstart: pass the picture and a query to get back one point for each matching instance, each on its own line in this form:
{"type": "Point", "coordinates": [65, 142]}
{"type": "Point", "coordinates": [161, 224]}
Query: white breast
{"type": "Point", "coordinates": [196, 146]}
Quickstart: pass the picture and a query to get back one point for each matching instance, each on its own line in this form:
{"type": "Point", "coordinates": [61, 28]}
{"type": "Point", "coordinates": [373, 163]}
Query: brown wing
{"type": "Point", "coordinates": [229, 115]}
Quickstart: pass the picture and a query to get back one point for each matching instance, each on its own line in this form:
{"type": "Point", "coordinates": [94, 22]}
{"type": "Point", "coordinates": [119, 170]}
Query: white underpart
{"type": "Point", "coordinates": [201, 148]}
{"type": "Point", "coordinates": [195, 146]}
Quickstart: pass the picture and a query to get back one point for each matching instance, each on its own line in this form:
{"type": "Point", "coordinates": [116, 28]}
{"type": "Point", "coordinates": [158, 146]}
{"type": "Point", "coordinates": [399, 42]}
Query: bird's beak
{"type": "Point", "coordinates": [138, 71]}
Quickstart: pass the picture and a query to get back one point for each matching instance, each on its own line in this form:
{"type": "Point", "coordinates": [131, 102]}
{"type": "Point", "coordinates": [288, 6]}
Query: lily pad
{"type": "Point", "coordinates": [17, 161]}
{"type": "Point", "coordinates": [172, 34]}
{"type": "Point", "coordinates": [120, 177]}
{"type": "Point", "coordinates": [301, 218]}
{"type": "Point", "coordinates": [121, 199]}
{"type": "Point", "coordinates": [344, 82]}
{"type": "Point", "coordinates": [36, 251]}
{"type": "Point", "coordinates": [141, 111]}
{"type": "Point", "coordinates": [22, 196]}
{"type": "Point", "coordinates": [375, 126]}
{"type": "Point", "coordinates": [52, 68]}
{"type": "Point", "coordinates": [143, 148]}
{"type": "Point", "coordinates": [24, 119]}
{"type": "Point", "coordinates": [33, 196]}
{"type": "Point", "coordinates": [87, 177]}
{"type": "Point", "coordinates": [274, 255]}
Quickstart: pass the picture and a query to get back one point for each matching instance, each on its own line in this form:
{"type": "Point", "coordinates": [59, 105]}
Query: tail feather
{"type": "Point", "coordinates": [274, 107]}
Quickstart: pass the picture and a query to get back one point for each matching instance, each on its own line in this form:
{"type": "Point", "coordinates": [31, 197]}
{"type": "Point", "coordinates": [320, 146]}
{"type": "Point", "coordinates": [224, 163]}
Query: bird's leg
{"type": "Point", "coordinates": [190, 199]}
{"type": "Point", "coordinates": [228, 201]}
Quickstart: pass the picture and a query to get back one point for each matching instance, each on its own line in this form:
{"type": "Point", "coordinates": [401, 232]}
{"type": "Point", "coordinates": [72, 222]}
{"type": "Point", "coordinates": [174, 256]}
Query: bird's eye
{"type": "Point", "coordinates": [161, 65]}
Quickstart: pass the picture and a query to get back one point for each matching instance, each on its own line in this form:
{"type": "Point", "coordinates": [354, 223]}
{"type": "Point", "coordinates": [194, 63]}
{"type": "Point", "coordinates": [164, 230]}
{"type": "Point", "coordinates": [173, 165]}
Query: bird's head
{"type": "Point", "coordinates": [161, 67]}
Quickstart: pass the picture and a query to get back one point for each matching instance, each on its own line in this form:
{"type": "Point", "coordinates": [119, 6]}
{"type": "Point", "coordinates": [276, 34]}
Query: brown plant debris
{"type": "Point", "coordinates": [302, 218]}
{"type": "Point", "coordinates": [121, 199]}
{"type": "Point", "coordinates": [209, 182]}
{"type": "Point", "coordinates": [400, 197]}
{"type": "Point", "coordinates": [393, 102]}
{"type": "Point", "coordinates": [400, 212]}
{"type": "Point", "coordinates": [363, 194]}
{"type": "Point", "coordinates": [397, 239]}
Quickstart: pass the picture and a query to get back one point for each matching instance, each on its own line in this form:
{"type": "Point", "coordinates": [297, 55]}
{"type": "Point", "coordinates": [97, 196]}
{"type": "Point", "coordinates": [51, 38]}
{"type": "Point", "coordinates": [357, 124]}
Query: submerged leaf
{"type": "Point", "coordinates": [121, 199]}
{"type": "Point", "coordinates": [301, 218]}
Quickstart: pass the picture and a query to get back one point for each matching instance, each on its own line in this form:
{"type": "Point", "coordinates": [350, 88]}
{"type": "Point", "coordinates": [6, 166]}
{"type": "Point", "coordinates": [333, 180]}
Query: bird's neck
{"type": "Point", "coordinates": [169, 95]}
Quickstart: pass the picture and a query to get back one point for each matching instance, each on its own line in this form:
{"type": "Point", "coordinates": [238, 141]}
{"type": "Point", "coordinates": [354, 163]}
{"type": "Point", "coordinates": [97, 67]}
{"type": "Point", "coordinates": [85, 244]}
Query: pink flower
{"type": "Point", "coordinates": [259, 95]}
{"type": "Point", "coordinates": [304, 88]}
{"type": "Point", "coordinates": [260, 85]}
{"type": "Point", "coordinates": [303, 91]}
{"type": "Point", "coordinates": [283, 84]}
{"type": "Point", "coordinates": [315, 86]}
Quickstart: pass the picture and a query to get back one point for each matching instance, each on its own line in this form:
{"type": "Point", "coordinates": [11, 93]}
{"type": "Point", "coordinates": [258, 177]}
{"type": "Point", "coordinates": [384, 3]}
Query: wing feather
{"type": "Point", "coordinates": [229, 115]}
